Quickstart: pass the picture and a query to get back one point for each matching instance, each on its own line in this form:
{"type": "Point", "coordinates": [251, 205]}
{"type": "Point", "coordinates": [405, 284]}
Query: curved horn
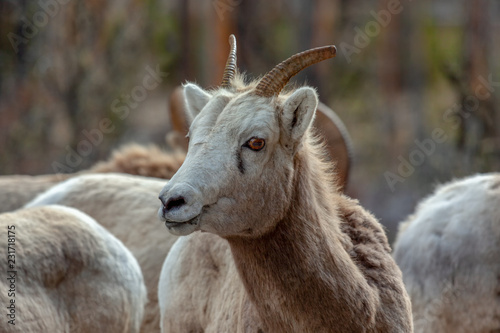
{"type": "Point", "coordinates": [230, 64]}
{"type": "Point", "coordinates": [275, 80]}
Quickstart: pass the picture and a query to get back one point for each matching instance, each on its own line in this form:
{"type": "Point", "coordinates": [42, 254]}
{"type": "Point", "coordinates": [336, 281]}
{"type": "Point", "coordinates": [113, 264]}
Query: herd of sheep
{"type": "Point", "coordinates": [260, 236]}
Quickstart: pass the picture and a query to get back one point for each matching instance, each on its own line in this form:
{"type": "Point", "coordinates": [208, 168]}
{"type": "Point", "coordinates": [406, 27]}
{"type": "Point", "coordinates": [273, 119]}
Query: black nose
{"type": "Point", "coordinates": [172, 203]}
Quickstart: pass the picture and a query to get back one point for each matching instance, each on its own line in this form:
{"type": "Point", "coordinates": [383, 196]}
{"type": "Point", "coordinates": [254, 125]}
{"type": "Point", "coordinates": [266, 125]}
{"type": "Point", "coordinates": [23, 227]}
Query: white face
{"type": "Point", "coordinates": [237, 176]}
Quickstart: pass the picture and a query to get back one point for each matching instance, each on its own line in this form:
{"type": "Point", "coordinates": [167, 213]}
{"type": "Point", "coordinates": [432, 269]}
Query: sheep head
{"type": "Point", "coordinates": [238, 174]}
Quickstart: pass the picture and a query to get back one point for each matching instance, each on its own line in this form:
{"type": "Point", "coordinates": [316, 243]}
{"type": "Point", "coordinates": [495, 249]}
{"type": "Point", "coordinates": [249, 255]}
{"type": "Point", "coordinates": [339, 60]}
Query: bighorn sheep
{"type": "Point", "coordinates": [125, 205]}
{"type": "Point", "coordinates": [63, 272]}
{"type": "Point", "coordinates": [294, 254]}
{"type": "Point", "coordinates": [449, 252]}
{"type": "Point", "coordinates": [151, 161]}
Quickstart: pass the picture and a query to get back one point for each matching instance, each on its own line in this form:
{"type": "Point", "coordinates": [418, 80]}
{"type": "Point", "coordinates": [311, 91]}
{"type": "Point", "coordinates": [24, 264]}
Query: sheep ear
{"type": "Point", "coordinates": [298, 113]}
{"type": "Point", "coordinates": [195, 98]}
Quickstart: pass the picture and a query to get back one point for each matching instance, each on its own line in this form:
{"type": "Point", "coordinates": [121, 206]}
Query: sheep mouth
{"type": "Point", "coordinates": [174, 224]}
{"type": "Point", "coordinates": [183, 228]}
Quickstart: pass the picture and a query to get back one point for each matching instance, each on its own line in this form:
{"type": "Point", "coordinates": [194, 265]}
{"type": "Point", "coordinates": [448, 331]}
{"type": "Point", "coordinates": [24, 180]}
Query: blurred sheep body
{"type": "Point", "coordinates": [71, 275]}
{"type": "Point", "coordinates": [126, 206]}
{"type": "Point", "coordinates": [151, 161]}
{"type": "Point", "coordinates": [449, 252]}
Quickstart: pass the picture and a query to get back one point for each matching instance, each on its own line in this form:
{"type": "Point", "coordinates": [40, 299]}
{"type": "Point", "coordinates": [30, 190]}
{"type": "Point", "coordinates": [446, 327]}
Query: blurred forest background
{"type": "Point", "coordinates": [415, 82]}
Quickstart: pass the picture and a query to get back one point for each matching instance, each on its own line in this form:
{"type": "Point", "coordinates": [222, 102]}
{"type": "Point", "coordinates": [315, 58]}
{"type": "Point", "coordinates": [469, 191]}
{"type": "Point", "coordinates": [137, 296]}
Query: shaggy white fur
{"type": "Point", "coordinates": [71, 275]}
{"type": "Point", "coordinates": [126, 206]}
{"type": "Point", "coordinates": [449, 252]}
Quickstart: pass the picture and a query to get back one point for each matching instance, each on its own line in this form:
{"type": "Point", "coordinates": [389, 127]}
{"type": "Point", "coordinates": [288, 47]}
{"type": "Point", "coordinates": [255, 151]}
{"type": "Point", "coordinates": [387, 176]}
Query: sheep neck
{"type": "Point", "coordinates": [300, 276]}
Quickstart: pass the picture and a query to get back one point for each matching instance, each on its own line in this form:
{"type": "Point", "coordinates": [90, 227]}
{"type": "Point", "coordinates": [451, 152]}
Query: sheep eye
{"type": "Point", "coordinates": [255, 144]}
